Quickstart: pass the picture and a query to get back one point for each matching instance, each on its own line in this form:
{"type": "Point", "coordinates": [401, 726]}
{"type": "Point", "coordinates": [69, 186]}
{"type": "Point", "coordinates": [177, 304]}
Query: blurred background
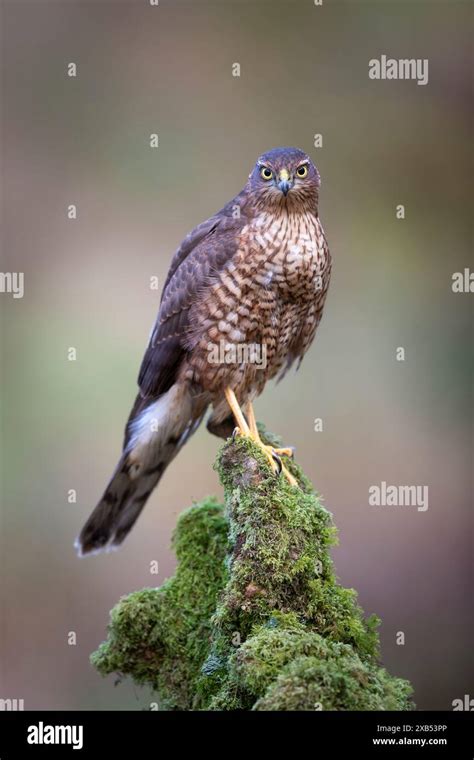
{"type": "Point", "coordinates": [85, 141]}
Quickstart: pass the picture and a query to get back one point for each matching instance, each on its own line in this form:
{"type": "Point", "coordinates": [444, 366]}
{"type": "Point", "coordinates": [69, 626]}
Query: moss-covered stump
{"type": "Point", "coordinates": [254, 618]}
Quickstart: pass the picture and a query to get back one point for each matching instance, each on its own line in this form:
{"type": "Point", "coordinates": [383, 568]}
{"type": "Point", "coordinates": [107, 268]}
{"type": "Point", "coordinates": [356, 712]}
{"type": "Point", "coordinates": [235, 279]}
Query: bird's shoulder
{"type": "Point", "coordinates": [214, 236]}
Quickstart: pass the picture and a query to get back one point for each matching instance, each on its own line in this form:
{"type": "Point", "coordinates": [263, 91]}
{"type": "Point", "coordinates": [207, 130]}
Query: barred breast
{"type": "Point", "coordinates": [262, 311]}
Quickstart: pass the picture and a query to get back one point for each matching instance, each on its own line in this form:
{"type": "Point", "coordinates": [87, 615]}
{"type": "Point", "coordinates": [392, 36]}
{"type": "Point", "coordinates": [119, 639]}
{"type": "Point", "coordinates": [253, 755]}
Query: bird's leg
{"type": "Point", "coordinates": [286, 452]}
{"type": "Point", "coordinates": [243, 428]}
{"type": "Point", "coordinates": [249, 430]}
{"type": "Point", "coordinates": [270, 450]}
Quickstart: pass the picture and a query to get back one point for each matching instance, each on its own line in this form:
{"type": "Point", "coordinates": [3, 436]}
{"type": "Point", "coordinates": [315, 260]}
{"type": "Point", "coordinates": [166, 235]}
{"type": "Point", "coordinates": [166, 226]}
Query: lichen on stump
{"type": "Point", "coordinates": [253, 618]}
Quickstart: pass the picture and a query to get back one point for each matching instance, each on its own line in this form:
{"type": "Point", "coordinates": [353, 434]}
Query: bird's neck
{"type": "Point", "coordinates": [301, 205]}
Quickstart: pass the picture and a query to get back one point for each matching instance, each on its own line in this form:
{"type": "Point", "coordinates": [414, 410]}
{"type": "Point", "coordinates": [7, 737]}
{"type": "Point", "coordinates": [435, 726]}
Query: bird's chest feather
{"type": "Point", "coordinates": [269, 293]}
{"type": "Point", "coordinates": [287, 253]}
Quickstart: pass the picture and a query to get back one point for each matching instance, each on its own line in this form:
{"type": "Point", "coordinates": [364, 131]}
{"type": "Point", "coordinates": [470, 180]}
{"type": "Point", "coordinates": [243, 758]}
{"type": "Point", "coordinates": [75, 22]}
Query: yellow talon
{"type": "Point", "coordinates": [288, 452]}
{"type": "Point", "coordinates": [250, 430]}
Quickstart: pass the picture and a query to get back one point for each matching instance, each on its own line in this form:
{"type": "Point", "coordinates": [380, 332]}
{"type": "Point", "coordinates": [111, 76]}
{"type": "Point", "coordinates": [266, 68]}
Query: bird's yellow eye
{"type": "Point", "coordinates": [266, 173]}
{"type": "Point", "coordinates": [302, 171]}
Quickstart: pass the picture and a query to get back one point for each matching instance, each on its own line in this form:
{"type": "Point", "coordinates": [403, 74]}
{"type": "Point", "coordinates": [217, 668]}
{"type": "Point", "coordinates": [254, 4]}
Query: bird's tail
{"type": "Point", "coordinates": [155, 433]}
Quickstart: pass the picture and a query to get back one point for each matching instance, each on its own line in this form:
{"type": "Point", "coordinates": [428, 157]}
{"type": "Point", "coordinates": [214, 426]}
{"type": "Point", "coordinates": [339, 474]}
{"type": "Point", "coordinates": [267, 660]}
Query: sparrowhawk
{"type": "Point", "coordinates": [242, 300]}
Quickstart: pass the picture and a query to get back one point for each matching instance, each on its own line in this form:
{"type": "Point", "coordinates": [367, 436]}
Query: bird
{"type": "Point", "coordinates": [241, 303]}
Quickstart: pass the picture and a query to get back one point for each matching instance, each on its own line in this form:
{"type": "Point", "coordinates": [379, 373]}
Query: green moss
{"type": "Point", "coordinates": [161, 636]}
{"type": "Point", "coordinates": [254, 617]}
{"type": "Point", "coordinates": [280, 539]}
{"type": "Point", "coordinates": [333, 683]}
{"type": "Point", "coordinates": [292, 668]}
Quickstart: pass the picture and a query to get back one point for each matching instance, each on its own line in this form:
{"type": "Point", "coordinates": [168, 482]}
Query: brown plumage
{"type": "Point", "coordinates": [242, 300]}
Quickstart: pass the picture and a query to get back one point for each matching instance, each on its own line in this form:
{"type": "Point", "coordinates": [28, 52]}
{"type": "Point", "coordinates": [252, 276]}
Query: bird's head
{"type": "Point", "coordinates": [285, 177]}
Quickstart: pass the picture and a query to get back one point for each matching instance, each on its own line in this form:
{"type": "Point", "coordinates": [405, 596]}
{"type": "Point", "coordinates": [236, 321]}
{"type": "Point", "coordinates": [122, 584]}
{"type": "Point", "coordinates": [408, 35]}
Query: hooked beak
{"type": "Point", "coordinates": [284, 183]}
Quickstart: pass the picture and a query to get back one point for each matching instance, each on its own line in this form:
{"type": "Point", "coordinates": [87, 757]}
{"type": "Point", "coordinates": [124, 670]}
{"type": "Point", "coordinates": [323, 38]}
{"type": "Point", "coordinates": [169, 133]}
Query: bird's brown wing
{"type": "Point", "coordinates": [198, 260]}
